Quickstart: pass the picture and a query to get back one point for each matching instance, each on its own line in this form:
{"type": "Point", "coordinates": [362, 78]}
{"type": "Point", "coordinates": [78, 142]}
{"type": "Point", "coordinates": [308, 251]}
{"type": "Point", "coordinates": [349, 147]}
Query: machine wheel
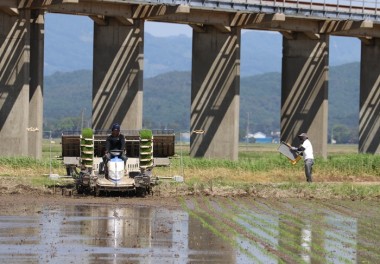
{"type": "Point", "coordinates": [80, 189]}
{"type": "Point", "coordinates": [96, 192]}
{"type": "Point", "coordinates": [140, 192]}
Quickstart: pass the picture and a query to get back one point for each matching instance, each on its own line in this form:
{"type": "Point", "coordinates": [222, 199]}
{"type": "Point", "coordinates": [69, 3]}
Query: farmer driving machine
{"type": "Point", "coordinates": [133, 176]}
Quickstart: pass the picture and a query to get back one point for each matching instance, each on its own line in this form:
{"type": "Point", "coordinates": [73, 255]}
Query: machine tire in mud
{"type": "Point", "coordinates": [141, 192]}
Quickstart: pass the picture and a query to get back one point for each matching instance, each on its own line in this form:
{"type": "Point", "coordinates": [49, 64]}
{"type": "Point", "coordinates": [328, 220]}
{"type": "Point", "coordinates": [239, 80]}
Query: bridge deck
{"type": "Point", "coordinates": [339, 9]}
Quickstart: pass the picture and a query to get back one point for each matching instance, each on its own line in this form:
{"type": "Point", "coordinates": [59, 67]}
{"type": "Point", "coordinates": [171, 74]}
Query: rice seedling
{"type": "Point", "coordinates": [219, 228]}
{"type": "Point", "coordinates": [257, 224]}
{"type": "Point", "coordinates": [87, 133]}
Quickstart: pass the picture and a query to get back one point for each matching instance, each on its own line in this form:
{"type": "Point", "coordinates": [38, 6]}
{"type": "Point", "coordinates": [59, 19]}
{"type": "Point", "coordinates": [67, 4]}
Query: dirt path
{"type": "Point", "coordinates": [166, 195]}
{"type": "Point", "coordinates": [23, 196]}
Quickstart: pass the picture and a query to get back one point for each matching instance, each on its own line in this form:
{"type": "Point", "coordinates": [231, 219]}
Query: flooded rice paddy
{"type": "Point", "coordinates": [201, 230]}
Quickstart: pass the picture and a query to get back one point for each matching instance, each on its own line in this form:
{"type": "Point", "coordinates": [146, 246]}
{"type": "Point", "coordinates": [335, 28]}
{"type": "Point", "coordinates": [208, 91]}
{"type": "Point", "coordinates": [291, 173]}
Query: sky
{"type": "Point", "coordinates": [159, 29]}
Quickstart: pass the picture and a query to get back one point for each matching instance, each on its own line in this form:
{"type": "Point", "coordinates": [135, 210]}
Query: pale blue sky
{"type": "Point", "coordinates": [159, 29]}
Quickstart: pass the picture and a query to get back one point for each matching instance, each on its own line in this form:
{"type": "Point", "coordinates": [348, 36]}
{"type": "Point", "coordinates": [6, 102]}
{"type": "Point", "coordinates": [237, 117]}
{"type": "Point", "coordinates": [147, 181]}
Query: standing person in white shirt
{"type": "Point", "coordinates": [306, 150]}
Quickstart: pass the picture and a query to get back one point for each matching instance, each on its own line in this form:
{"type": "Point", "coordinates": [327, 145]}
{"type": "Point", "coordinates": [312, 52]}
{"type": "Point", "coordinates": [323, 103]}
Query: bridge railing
{"type": "Point", "coordinates": [315, 7]}
{"type": "Point", "coordinates": [347, 6]}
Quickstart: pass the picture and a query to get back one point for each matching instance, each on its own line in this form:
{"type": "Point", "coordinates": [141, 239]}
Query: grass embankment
{"type": "Point", "coordinates": [32, 172]}
{"type": "Point", "coordinates": [260, 171]}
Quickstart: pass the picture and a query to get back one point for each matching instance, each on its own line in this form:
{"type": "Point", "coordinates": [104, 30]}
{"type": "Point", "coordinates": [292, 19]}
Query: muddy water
{"type": "Point", "coordinates": [205, 231]}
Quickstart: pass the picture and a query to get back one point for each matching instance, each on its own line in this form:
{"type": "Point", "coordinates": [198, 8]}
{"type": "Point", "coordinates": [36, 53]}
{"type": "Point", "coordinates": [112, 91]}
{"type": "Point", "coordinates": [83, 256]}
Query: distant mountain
{"type": "Point", "coordinates": [344, 90]}
{"type": "Point", "coordinates": [69, 47]}
{"type": "Point", "coordinates": [167, 99]}
{"type": "Point", "coordinates": [66, 96]}
{"type": "Point", "coordinates": [68, 43]}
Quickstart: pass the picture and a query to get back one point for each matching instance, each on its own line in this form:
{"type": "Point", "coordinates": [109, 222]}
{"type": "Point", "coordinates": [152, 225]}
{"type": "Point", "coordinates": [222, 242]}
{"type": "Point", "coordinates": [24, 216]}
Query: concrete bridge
{"type": "Point", "coordinates": [119, 59]}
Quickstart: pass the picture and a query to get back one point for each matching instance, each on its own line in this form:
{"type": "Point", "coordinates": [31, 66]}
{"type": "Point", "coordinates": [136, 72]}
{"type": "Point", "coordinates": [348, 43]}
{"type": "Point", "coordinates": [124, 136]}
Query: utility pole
{"type": "Point", "coordinates": [247, 129]}
{"type": "Point", "coordinates": [81, 124]}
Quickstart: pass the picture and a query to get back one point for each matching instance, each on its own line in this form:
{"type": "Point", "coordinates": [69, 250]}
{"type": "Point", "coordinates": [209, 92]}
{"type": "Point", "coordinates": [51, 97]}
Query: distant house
{"type": "Point", "coordinates": [275, 136]}
{"type": "Point", "coordinates": [258, 137]}
{"type": "Point", "coordinates": [255, 135]}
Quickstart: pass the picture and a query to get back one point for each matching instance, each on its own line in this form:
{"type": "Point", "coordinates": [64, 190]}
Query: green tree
{"type": "Point", "coordinates": [341, 134]}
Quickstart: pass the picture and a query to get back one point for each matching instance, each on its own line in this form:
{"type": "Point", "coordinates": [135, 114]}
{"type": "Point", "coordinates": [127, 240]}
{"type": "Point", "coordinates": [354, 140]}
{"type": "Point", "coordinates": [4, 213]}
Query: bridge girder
{"type": "Point", "coordinates": [197, 17]}
{"type": "Point", "coordinates": [9, 7]}
{"type": "Point", "coordinates": [10, 11]}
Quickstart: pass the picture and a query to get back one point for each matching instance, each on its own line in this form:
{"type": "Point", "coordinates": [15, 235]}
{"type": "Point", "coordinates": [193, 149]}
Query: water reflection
{"type": "Point", "coordinates": [296, 231]}
{"type": "Point", "coordinates": [256, 232]}
{"type": "Point", "coordinates": [110, 234]}
{"type": "Point", "coordinates": [280, 235]}
{"type": "Point", "coordinates": [208, 245]}
{"type": "Point", "coordinates": [107, 234]}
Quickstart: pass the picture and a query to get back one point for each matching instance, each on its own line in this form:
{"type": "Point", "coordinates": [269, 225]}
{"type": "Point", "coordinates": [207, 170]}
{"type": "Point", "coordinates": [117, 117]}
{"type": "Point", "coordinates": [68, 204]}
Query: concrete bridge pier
{"type": "Point", "coordinates": [14, 83]}
{"type": "Point", "coordinates": [215, 92]}
{"type": "Point", "coordinates": [118, 75]}
{"type": "Point", "coordinates": [36, 83]}
{"type": "Point", "coordinates": [369, 116]}
{"type": "Point", "coordinates": [304, 97]}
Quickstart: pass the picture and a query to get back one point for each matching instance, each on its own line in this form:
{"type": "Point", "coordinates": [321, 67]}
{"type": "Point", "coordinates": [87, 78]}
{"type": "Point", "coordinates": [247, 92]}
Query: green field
{"type": "Point", "coordinates": [258, 165]}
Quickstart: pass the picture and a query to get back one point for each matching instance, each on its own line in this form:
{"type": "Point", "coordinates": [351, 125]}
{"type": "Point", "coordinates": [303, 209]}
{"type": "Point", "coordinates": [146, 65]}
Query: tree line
{"type": "Point", "coordinates": [166, 105]}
